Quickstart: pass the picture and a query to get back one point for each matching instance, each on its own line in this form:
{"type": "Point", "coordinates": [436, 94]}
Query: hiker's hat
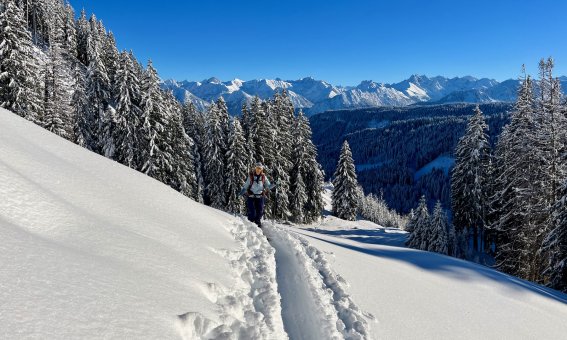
{"type": "Point", "coordinates": [259, 165]}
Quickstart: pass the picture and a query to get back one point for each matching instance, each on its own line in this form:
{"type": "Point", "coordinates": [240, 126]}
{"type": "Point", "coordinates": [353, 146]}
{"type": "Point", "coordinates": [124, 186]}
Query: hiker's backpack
{"type": "Point", "coordinates": [252, 175]}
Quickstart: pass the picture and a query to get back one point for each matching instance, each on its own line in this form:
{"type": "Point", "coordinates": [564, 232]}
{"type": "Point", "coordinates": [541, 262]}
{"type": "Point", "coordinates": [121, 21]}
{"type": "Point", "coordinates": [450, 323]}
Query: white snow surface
{"type": "Point", "coordinates": [93, 250]}
{"type": "Point", "coordinates": [421, 295]}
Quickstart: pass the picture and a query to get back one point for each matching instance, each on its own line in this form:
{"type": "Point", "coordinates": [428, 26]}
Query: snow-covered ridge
{"type": "Point", "coordinates": [315, 96]}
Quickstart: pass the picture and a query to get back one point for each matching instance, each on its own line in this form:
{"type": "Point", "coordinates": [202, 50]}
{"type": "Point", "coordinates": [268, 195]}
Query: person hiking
{"type": "Point", "coordinates": [256, 188]}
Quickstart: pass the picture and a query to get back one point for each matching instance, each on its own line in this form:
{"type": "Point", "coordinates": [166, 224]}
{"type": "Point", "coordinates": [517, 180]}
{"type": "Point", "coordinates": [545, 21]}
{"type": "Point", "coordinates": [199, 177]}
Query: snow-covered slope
{"type": "Point", "coordinates": [421, 295]}
{"type": "Point", "coordinates": [92, 249]}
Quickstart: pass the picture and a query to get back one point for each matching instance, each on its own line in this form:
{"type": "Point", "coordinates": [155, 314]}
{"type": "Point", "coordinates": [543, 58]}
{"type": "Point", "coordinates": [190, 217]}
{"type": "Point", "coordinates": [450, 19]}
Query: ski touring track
{"type": "Point", "coordinates": [315, 303]}
{"type": "Point", "coordinates": [284, 289]}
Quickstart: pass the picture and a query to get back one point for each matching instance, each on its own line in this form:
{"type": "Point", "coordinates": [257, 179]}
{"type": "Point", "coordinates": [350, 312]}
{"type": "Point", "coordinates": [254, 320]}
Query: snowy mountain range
{"type": "Point", "coordinates": [316, 96]}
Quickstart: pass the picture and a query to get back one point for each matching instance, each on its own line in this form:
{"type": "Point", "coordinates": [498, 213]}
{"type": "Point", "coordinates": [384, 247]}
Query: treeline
{"type": "Point", "coordinates": [511, 199]}
{"type": "Point", "coordinates": [68, 76]}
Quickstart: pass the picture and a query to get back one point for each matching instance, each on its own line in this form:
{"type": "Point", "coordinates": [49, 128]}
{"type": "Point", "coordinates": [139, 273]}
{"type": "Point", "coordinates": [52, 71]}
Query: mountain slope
{"type": "Point", "coordinates": [92, 249]}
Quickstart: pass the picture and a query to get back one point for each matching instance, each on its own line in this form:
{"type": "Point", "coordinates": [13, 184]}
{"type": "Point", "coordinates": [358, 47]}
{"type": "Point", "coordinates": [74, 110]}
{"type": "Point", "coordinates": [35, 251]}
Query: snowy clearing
{"type": "Point", "coordinates": [421, 295]}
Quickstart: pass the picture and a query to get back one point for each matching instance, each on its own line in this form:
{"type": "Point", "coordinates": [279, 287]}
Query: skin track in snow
{"type": "Point", "coordinates": [251, 309]}
{"type": "Point", "coordinates": [315, 304]}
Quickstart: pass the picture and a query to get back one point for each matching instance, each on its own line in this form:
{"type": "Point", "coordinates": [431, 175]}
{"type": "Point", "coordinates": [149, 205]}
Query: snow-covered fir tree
{"type": "Point", "coordinates": [419, 225]}
{"type": "Point", "coordinates": [237, 167]}
{"type": "Point", "coordinates": [127, 96]}
{"type": "Point", "coordinates": [98, 86]}
{"type": "Point", "coordinates": [83, 32]}
{"type": "Point", "coordinates": [439, 226]}
{"type": "Point", "coordinates": [81, 113]}
{"type": "Point", "coordinates": [555, 245]}
{"type": "Point", "coordinates": [344, 198]}
{"type": "Point", "coordinates": [69, 41]}
{"type": "Point", "coordinates": [214, 160]}
{"type": "Point", "coordinates": [156, 159]}
{"type": "Point", "coordinates": [312, 174]}
{"type": "Point", "coordinates": [469, 178]}
{"type": "Point", "coordinates": [279, 121]}
{"type": "Point", "coordinates": [182, 177]}
{"type": "Point", "coordinates": [514, 199]}
{"type": "Point", "coordinates": [56, 99]}
{"type": "Point", "coordinates": [20, 91]}
{"type": "Point", "coordinates": [195, 126]}
{"type": "Point", "coordinates": [298, 191]}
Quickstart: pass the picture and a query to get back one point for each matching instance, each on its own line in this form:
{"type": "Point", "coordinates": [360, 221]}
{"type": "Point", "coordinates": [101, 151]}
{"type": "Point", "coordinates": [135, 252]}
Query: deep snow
{"type": "Point", "coordinates": [91, 249]}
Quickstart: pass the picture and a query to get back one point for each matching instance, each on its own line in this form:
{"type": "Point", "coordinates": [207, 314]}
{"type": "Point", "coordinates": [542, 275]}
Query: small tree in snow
{"type": "Point", "coordinates": [438, 238]}
{"type": "Point", "coordinates": [345, 196]}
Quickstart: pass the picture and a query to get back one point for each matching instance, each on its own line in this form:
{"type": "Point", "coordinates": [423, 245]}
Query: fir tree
{"type": "Point", "coordinates": [345, 198]}
{"type": "Point", "coordinates": [183, 177]}
{"type": "Point", "coordinates": [214, 162]}
{"type": "Point", "coordinates": [83, 31]}
{"type": "Point", "coordinates": [515, 198]}
{"type": "Point", "coordinates": [419, 226]}
{"type": "Point", "coordinates": [97, 89]}
{"type": "Point", "coordinates": [56, 101]}
{"type": "Point", "coordinates": [470, 177]}
{"type": "Point", "coordinates": [156, 159]}
{"type": "Point", "coordinates": [555, 245]}
{"type": "Point", "coordinates": [236, 167]}
{"type": "Point", "coordinates": [195, 126]}
{"type": "Point", "coordinates": [311, 172]}
{"type": "Point", "coordinates": [83, 135]}
{"type": "Point", "coordinates": [19, 73]}
{"type": "Point", "coordinates": [127, 135]}
{"type": "Point", "coordinates": [438, 238]}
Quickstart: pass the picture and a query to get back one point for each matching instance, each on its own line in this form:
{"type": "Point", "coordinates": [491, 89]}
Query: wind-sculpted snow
{"type": "Point", "coordinates": [315, 302]}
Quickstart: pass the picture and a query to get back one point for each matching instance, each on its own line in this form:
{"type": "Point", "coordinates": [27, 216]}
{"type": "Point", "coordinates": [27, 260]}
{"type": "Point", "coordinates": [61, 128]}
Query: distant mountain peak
{"type": "Point", "coordinates": [315, 96]}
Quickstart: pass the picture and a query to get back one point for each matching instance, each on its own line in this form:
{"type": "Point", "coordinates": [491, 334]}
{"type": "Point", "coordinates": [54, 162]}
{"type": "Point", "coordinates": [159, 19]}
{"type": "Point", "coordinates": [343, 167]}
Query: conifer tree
{"type": "Point", "coordinates": [69, 43]}
{"type": "Point", "coordinates": [214, 162]}
{"type": "Point", "coordinates": [183, 177]}
{"type": "Point", "coordinates": [515, 198]}
{"type": "Point", "coordinates": [236, 167]}
{"type": "Point", "coordinates": [83, 31]}
{"type": "Point", "coordinates": [19, 73]}
{"type": "Point", "coordinates": [279, 120]}
{"type": "Point", "coordinates": [438, 238]}
{"type": "Point", "coordinates": [298, 194]}
{"type": "Point", "coordinates": [56, 102]}
{"type": "Point", "coordinates": [194, 124]}
{"type": "Point", "coordinates": [469, 190]}
{"type": "Point", "coordinates": [156, 159]}
{"type": "Point", "coordinates": [555, 245]}
{"type": "Point", "coordinates": [83, 135]}
{"type": "Point", "coordinates": [344, 198]}
{"type": "Point", "coordinates": [98, 89]}
{"type": "Point", "coordinates": [127, 95]}
{"type": "Point", "coordinates": [311, 172]}
{"type": "Point", "coordinates": [419, 226]}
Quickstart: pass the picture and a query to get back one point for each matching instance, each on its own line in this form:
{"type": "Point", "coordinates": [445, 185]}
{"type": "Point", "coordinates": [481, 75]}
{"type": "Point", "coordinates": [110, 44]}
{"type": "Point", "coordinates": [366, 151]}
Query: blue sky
{"type": "Point", "coordinates": [342, 42]}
